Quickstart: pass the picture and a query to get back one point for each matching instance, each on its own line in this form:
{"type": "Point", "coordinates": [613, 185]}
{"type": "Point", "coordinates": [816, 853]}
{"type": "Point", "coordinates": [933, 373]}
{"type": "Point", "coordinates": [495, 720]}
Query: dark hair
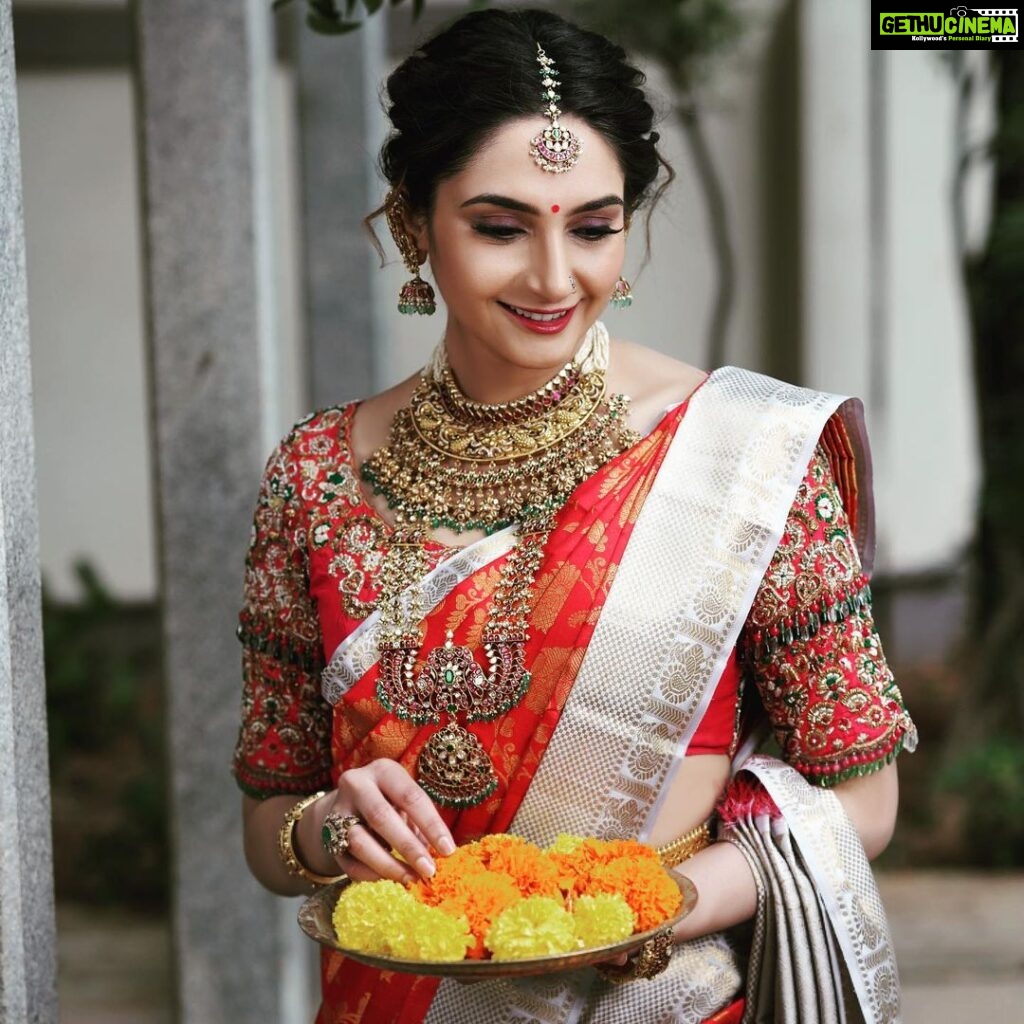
{"type": "Point", "coordinates": [461, 86]}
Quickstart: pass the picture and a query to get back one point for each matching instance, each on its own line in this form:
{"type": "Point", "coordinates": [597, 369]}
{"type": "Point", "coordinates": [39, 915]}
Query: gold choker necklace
{"type": "Point", "coordinates": [446, 464]}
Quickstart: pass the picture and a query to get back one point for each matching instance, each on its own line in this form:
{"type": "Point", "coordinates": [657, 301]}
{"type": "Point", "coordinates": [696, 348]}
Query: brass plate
{"type": "Point", "coordinates": [315, 921]}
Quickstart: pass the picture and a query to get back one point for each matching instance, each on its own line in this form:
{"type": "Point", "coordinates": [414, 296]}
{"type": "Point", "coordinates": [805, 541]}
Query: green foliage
{"type": "Point", "coordinates": [989, 781]}
{"type": "Point", "coordinates": [676, 34]}
{"type": "Point", "coordinates": [106, 729]}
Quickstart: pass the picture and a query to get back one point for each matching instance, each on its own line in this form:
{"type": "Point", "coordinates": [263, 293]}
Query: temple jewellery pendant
{"type": "Point", "coordinates": [453, 767]}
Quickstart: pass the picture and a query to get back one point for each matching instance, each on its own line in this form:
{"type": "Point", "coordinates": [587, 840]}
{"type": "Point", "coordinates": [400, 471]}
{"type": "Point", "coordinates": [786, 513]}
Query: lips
{"type": "Point", "coordinates": [540, 321]}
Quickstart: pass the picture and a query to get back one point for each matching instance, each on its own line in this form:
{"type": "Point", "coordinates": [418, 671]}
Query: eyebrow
{"type": "Point", "coordinates": [490, 199]}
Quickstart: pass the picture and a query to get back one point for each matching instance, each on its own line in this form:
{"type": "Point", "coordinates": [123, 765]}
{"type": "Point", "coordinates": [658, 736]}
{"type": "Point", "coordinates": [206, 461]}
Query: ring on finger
{"type": "Point", "coordinates": [335, 830]}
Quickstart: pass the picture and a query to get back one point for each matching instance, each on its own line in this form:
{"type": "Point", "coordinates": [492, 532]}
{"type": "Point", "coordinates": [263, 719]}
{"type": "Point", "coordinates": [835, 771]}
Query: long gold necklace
{"type": "Point", "coordinates": [465, 465]}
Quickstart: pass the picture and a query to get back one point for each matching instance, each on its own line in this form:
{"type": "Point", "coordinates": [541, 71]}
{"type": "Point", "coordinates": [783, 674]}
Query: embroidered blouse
{"type": "Point", "coordinates": [809, 644]}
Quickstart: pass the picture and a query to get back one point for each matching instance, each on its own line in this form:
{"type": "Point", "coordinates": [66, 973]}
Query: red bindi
{"type": "Point", "coordinates": [555, 208]}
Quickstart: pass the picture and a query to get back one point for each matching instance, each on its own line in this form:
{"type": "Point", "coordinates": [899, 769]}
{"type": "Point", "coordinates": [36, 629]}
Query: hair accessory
{"type": "Point", "coordinates": [416, 295]}
{"type": "Point", "coordinates": [556, 149]}
{"type": "Point", "coordinates": [284, 844]}
{"type": "Point", "coordinates": [622, 294]}
{"type": "Point", "coordinates": [335, 830]}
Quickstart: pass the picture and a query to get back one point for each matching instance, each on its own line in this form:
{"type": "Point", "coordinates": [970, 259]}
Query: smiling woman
{"type": "Point", "coordinates": [522, 591]}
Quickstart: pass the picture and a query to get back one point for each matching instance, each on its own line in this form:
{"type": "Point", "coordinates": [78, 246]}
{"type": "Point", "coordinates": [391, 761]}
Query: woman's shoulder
{"type": "Point", "coordinates": [652, 379]}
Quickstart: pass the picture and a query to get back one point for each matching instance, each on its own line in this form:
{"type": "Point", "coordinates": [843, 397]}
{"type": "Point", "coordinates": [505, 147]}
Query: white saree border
{"type": "Point", "coordinates": [699, 549]}
{"type": "Point", "coordinates": [830, 852]}
{"type": "Point", "coordinates": [357, 653]}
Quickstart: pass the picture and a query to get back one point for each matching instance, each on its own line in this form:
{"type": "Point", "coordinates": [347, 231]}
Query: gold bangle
{"type": "Point", "coordinates": [647, 962]}
{"type": "Point", "coordinates": [685, 846]}
{"type": "Point", "coordinates": [287, 850]}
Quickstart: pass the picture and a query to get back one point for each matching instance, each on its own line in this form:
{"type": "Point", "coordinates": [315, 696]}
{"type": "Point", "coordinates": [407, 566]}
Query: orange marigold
{"type": "Point", "coordinates": [480, 899]}
{"type": "Point", "coordinates": [530, 868]}
{"type": "Point", "coordinates": [645, 885]}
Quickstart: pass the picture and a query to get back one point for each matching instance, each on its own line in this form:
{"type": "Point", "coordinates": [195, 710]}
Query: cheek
{"type": "Point", "coordinates": [475, 271]}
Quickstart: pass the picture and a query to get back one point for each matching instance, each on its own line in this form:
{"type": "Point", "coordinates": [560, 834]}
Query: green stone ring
{"type": "Point", "coordinates": [334, 833]}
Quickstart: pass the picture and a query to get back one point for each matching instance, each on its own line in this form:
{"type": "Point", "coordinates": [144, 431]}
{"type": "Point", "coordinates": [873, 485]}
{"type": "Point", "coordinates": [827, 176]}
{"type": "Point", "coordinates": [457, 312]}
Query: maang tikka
{"type": "Point", "coordinates": [416, 295]}
{"type": "Point", "coordinates": [556, 149]}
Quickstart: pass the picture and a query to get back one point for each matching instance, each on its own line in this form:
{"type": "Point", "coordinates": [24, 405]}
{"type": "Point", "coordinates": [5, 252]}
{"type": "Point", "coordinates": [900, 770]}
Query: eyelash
{"type": "Point", "coordinates": [506, 234]}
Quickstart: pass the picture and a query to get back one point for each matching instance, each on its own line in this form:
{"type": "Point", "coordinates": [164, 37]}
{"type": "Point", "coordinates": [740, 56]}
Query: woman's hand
{"type": "Point", "coordinates": [394, 814]}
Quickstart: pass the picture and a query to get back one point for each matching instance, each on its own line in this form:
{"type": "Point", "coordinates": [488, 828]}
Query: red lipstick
{"type": "Point", "coordinates": [555, 326]}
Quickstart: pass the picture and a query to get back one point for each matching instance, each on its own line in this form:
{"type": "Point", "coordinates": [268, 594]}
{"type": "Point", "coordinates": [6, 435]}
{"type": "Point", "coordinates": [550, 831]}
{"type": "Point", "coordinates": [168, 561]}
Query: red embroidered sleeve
{"type": "Point", "coordinates": [812, 648]}
{"type": "Point", "coordinates": [284, 741]}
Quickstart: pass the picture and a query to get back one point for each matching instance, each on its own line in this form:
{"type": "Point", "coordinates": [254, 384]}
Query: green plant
{"type": "Point", "coordinates": [106, 729]}
{"type": "Point", "coordinates": [988, 782]}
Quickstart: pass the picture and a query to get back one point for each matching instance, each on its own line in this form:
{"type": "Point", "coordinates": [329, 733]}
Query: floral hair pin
{"type": "Point", "coordinates": [556, 149]}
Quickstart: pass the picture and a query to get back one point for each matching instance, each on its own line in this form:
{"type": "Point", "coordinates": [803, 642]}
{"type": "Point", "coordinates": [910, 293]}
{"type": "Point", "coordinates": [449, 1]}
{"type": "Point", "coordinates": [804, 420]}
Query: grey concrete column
{"type": "Point", "coordinates": [340, 127]}
{"type": "Point", "coordinates": [202, 69]}
{"type": "Point", "coordinates": [28, 959]}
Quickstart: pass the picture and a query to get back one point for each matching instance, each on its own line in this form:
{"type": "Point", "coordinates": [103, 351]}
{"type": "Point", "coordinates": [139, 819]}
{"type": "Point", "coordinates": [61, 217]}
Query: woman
{"type": "Point", "coordinates": [503, 596]}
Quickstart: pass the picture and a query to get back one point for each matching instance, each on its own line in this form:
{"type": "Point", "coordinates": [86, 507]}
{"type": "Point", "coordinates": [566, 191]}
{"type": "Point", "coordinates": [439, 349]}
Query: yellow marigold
{"type": "Point", "coordinates": [602, 919]}
{"type": "Point", "coordinates": [384, 919]}
{"type": "Point", "coordinates": [645, 886]}
{"type": "Point", "coordinates": [565, 843]}
{"type": "Point", "coordinates": [537, 926]}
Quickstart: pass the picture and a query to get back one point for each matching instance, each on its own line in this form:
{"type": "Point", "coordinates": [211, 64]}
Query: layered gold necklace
{"type": "Point", "coordinates": [467, 465]}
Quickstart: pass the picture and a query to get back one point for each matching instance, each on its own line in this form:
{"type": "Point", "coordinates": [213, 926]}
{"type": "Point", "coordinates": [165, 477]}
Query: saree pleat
{"type": "Point", "coordinates": [822, 953]}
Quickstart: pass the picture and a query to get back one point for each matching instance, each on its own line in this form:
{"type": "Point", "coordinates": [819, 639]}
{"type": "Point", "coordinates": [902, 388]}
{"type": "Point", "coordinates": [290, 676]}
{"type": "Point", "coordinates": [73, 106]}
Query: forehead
{"type": "Point", "coordinates": [503, 165]}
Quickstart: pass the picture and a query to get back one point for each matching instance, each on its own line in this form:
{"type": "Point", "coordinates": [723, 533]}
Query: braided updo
{"type": "Point", "coordinates": [460, 87]}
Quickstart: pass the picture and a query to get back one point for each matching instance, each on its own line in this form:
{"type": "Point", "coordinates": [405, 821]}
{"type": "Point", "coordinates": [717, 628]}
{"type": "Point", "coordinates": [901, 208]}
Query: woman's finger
{"type": "Point", "coordinates": [368, 861]}
{"type": "Point", "coordinates": [375, 810]}
{"type": "Point", "coordinates": [405, 795]}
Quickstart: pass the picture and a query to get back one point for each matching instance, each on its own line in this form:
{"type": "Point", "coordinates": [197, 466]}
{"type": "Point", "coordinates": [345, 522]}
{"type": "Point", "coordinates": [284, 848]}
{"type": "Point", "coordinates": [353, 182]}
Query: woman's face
{"type": "Point", "coordinates": [504, 239]}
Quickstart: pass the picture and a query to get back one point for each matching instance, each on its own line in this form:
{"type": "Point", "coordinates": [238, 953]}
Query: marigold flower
{"type": "Point", "coordinates": [384, 919]}
{"type": "Point", "coordinates": [602, 919]}
{"type": "Point", "coordinates": [645, 886]}
{"type": "Point", "coordinates": [537, 926]}
{"type": "Point", "coordinates": [480, 898]}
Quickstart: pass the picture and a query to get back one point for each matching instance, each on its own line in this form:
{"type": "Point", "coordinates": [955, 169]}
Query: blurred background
{"type": "Point", "coordinates": [847, 219]}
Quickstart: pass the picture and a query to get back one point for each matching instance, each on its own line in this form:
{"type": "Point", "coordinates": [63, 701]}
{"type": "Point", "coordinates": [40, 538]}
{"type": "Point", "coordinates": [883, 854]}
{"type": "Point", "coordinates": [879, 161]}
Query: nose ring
{"type": "Point", "coordinates": [572, 282]}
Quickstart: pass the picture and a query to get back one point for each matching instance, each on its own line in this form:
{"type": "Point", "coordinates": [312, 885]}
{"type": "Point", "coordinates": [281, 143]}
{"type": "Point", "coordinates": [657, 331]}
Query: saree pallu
{"type": "Point", "coordinates": [627, 696]}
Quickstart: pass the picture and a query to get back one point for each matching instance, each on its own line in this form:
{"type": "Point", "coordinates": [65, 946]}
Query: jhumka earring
{"type": "Point", "coordinates": [416, 295]}
{"type": "Point", "coordinates": [622, 294]}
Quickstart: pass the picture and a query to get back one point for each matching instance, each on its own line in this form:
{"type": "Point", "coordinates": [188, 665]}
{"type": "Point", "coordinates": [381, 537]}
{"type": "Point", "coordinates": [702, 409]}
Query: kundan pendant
{"type": "Point", "coordinates": [454, 768]}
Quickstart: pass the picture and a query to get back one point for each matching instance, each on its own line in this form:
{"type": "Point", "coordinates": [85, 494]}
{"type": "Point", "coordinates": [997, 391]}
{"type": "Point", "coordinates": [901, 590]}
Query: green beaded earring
{"type": "Point", "coordinates": [622, 294]}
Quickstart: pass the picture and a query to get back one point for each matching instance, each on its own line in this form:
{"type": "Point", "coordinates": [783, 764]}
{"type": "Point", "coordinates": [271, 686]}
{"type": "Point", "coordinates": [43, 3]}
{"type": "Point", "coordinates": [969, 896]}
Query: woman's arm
{"type": "Point", "coordinates": [727, 893]}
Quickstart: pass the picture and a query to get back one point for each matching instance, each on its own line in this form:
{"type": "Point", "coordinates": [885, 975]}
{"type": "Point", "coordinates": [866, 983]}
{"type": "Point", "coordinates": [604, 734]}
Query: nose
{"type": "Point", "coordinates": [550, 269]}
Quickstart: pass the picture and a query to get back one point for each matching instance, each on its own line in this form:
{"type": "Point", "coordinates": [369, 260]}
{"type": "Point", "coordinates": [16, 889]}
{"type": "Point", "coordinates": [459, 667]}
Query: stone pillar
{"type": "Point", "coordinates": [28, 989]}
{"type": "Point", "coordinates": [341, 126]}
{"type": "Point", "coordinates": [202, 73]}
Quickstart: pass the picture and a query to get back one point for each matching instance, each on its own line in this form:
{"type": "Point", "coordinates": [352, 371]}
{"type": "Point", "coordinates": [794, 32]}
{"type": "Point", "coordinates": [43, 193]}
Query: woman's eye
{"type": "Point", "coordinates": [503, 231]}
{"type": "Point", "coordinates": [595, 233]}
